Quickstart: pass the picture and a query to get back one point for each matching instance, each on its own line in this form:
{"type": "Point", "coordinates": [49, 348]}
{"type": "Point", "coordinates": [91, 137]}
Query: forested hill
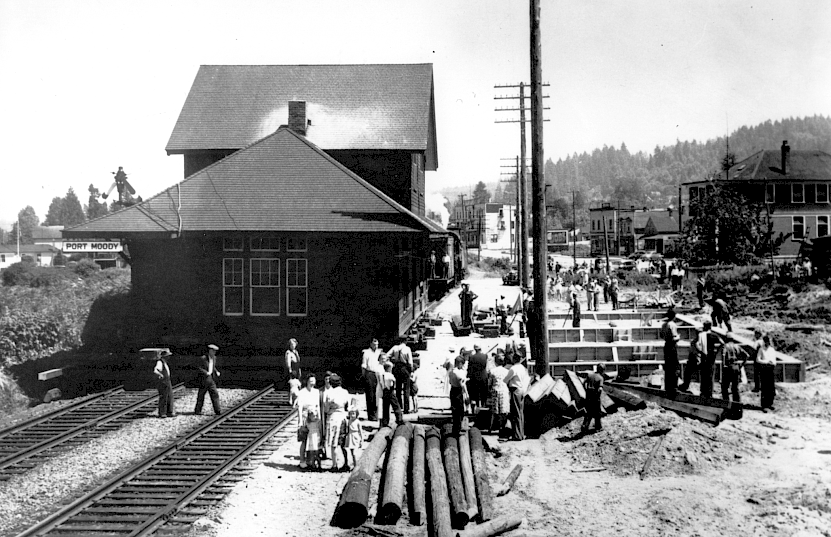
{"type": "Point", "coordinates": [643, 179]}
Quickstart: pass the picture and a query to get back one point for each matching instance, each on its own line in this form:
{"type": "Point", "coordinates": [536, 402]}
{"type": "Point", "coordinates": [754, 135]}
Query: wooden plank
{"type": "Point", "coordinates": [541, 388]}
{"type": "Point", "coordinates": [628, 400]}
{"type": "Point", "coordinates": [706, 414]}
{"type": "Point", "coordinates": [50, 374]}
{"type": "Point", "coordinates": [575, 387]}
{"type": "Point", "coordinates": [468, 480]}
{"type": "Point", "coordinates": [688, 397]}
{"type": "Point", "coordinates": [453, 470]}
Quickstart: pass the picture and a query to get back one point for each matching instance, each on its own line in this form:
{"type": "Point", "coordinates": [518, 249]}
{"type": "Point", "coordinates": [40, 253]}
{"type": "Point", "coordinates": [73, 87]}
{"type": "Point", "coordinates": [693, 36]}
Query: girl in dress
{"type": "Point", "coordinates": [354, 436]}
{"type": "Point", "coordinates": [336, 402]}
{"type": "Point", "coordinates": [499, 394]}
{"type": "Point", "coordinates": [308, 404]}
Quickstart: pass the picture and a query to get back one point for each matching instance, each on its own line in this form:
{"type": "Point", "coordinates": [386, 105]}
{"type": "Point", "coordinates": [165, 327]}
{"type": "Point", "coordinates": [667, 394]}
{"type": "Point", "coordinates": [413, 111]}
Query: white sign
{"type": "Point", "coordinates": [92, 246]}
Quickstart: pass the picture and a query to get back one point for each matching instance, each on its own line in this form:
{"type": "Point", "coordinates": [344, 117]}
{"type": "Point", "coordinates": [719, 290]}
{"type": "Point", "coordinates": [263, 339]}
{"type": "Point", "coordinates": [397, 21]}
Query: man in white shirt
{"type": "Point", "coordinates": [369, 367]}
{"type": "Point", "coordinates": [517, 380]}
{"type": "Point", "coordinates": [401, 357]}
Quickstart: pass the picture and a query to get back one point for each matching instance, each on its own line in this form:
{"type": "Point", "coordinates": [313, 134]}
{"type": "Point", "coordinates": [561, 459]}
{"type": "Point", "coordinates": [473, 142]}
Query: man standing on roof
{"type": "Point", "coordinates": [208, 374]}
{"type": "Point", "coordinates": [162, 372]}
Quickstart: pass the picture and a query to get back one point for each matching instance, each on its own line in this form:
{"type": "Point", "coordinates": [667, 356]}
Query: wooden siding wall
{"type": "Point", "coordinates": [353, 295]}
{"type": "Point", "coordinates": [389, 171]}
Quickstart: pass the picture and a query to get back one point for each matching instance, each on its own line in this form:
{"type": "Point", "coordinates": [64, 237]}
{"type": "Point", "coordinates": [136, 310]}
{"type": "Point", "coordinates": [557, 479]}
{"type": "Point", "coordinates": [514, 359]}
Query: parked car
{"type": "Point", "coordinates": [627, 264]}
{"type": "Point", "coordinates": [511, 278]}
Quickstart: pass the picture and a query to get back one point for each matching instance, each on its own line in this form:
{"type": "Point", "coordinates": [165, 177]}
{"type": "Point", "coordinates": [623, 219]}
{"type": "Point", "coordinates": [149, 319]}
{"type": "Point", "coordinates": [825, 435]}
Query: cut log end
{"type": "Point", "coordinates": [351, 515]}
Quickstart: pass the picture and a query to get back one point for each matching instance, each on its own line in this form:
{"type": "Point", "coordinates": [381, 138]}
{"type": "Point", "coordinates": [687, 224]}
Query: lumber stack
{"type": "Point", "coordinates": [430, 467]}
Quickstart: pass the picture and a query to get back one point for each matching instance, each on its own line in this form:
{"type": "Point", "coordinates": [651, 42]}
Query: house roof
{"type": "Point", "coordinates": [280, 183]}
{"type": "Point", "coordinates": [663, 224]}
{"type": "Point", "coordinates": [27, 249]}
{"type": "Point", "coordinates": [350, 106]}
{"type": "Point", "coordinates": [642, 217]}
{"type": "Point", "coordinates": [46, 232]}
{"type": "Point", "coordinates": [801, 165]}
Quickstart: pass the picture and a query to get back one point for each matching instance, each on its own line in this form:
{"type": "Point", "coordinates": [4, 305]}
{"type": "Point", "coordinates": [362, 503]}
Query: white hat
{"type": "Point", "coordinates": [214, 347]}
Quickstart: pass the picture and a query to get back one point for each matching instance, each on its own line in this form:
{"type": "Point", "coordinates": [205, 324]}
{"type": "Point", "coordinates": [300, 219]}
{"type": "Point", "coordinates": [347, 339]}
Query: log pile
{"type": "Point", "coordinates": [426, 466]}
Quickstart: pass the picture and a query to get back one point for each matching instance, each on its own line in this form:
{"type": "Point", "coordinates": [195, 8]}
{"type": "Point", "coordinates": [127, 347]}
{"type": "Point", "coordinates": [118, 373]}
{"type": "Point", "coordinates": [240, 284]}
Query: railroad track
{"type": "Point", "coordinates": [174, 487]}
{"type": "Point", "coordinates": [27, 444]}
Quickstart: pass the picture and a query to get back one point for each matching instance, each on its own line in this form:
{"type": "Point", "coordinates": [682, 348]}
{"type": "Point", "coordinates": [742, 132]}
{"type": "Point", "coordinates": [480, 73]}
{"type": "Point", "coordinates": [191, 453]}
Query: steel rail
{"type": "Point", "coordinates": [59, 411]}
{"type": "Point", "coordinates": [168, 507]}
{"type": "Point", "coordinates": [83, 428]}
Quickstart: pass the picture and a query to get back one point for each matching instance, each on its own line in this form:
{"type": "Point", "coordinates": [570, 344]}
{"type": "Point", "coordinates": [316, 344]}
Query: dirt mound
{"type": "Point", "coordinates": [624, 444]}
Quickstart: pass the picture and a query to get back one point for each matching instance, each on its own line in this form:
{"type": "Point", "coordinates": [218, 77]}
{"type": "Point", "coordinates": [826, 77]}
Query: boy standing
{"type": "Point", "coordinates": [388, 383]}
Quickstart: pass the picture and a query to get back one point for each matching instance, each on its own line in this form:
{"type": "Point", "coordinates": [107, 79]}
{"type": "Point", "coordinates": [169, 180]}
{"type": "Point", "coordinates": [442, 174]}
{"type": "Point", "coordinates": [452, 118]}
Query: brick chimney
{"type": "Point", "coordinates": [297, 116]}
{"type": "Point", "coordinates": [786, 152]}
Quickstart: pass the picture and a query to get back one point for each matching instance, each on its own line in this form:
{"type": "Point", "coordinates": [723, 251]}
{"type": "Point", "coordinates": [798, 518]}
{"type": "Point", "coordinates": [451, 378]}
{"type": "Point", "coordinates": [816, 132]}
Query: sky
{"type": "Point", "coordinates": [91, 85]}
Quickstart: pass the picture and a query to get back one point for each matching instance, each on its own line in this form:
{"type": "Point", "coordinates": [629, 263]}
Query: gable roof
{"type": "Point", "coordinates": [281, 183]}
{"type": "Point", "coordinates": [662, 224]}
{"type": "Point", "coordinates": [642, 217]}
{"type": "Point", "coordinates": [350, 106]}
{"type": "Point", "coordinates": [27, 249]}
{"type": "Point", "coordinates": [46, 232]}
{"type": "Point", "coordinates": [801, 165]}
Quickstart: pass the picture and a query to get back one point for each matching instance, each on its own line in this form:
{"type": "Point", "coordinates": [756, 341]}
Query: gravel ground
{"type": "Point", "coordinates": [30, 497]}
{"type": "Point", "coordinates": [14, 418]}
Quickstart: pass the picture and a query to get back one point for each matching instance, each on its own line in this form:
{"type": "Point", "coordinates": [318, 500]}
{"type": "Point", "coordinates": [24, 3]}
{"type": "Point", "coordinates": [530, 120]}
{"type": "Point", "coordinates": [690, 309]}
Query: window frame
{"type": "Point", "coordinates": [261, 249]}
{"type": "Point", "coordinates": [304, 248]}
{"type": "Point", "coordinates": [827, 225]}
{"type": "Point", "coordinates": [241, 286]}
{"type": "Point", "coordinates": [825, 189]}
{"type": "Point", "coordinates": [793, 192]}
{"type": "Point", "coordinates": [770, 193]}
{"type": "Point", "coordinates": [290, 286]}
{"type": "Point", "coordinates": [232, 248]}
{"type": "Point", "coordinates": [252, 286]}
{"type": "Point", "coordinates": [794, 224]}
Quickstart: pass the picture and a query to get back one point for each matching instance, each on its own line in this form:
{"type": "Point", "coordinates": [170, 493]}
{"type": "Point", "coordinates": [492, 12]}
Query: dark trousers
{"type": "Point", "coordinates": [606, 295]}
{"type": "Point", "coordinates": [388, 400]}
{"type": "Point", "coordinates": [757, 381]}
{"type": "Point", "coordinates": [670, 370]}
{"type": "Point", "coordinates": [767, 383]}
{"type": "Point", "coordinates": [730, 382]}
{"type": "Point", "coordinates": [457, 408]}
{"type": "Point", "coordinates": [517, 415]}
{"type": "Point", "coordinates": [700, 292]}
{"type": "Point", "coordinates": [689, 371]}
{"type": "Point", "coordinates": [370, 387]}
{"type": "Point", "coordinates": [401, 372]}
{"type": "Point", "coordinates": [593, 410]}
{"type": "Point", "coordinates": [165, 398]}
{"type": "Point", "coordinates": [613, 294]}
{"type": "Point", "coordinates": [208, 386]}
{"type": "Point", "coordinates": [706, 378]}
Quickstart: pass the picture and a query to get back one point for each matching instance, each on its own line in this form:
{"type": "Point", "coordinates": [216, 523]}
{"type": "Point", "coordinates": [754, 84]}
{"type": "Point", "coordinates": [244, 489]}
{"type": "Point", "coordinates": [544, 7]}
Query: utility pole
{"type": "Point", "coordinates": [538, 324]}
{"type": "Point", "coordinates": [605, 238]}
{"type": "Point", "coordinates": [680, 212]}
{"type": "Point", "coordinates": [573, 229]}
{"type": "Point", "coordinates": [522, 231]}
{"type": "Point", "coordinates": [520, 202]}
{"type": "Point", "coordinates": [479, 231]}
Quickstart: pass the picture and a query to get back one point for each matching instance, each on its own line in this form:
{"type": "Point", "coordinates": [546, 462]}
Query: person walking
{"type": "Point", "coordinates": [766, 362]}
{"type": "Point", "coordinates": [208, 375]}
{"type": "Point", "coordinates": [164, 386]}
{"type": "Point", "coordinates": [389, 398]}
{"type": "Point", "coordinates": [292, 360]}
{"type": "Point", "coordinates": [369, 368]}
{"type": "Point", "coordinates": [401, 357]}
{"type": "Point", "coordinates": [669, 333]}
{"type": "Point", "coordinates": [594, 387]}
{"type": "Point", "coordinates": [733, 358]}
{"type": "Point", "coordinates": [477, 371]}
{"type": "Point", "coordinates": [517, 382]}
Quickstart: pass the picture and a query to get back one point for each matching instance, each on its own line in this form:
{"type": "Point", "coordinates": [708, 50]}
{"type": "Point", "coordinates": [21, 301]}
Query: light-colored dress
{"type": "Point", "coordinates": [499, 393]}
{"type": "Point", "coordinates": [355, 435]}
{"type": "Point", "coordinates": [308, 404]}
{"type": "Point", "coordinates": [335, 401]}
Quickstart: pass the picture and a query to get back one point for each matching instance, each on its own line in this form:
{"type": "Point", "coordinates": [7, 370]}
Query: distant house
{"type": "Point", "coordinates": [273, 234]}
{"type": "Point", "coordinates": [793, 184]}
{"type": "Point", "coordinates": [50, 235]}
{"type": "Point", "coordinates": [489, 225]}
{"type": "Point", "coordinates": [625, 229]}
{"type": "Point", "coordinates": [660, 231]}
{"type": "Point", "coordinates": [42, 255]}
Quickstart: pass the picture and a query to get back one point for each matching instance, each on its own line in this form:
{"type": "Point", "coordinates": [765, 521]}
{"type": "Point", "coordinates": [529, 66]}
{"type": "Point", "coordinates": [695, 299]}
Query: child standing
{"type": "Point", "coordinates": [294, 388]}
{"type": "Point", "coordinates": [388, 382]}
{"type": "Point", "coordinates": [354, 436]}
{"type": "Point", "coordinates": [313, 439]}
{"type": "Point", "coordinates": [414, 386]}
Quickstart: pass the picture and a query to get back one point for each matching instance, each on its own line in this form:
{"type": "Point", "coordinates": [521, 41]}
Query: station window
{"type": "Point", "coordinates": [297, 245]}
{"type": "Point", "coordinates": [232, 244]}
{"type": "Point", "coordinates": [297, 292]}
{"type": "Point", "coordinates": [822, 226]}
{"type": "Point", "coordinates": [232, 290]}
{"type": "Point", "coordinates": [770, 193]}
{"type": "Point", "coordinates": [265, 287]}
{"type": "Point", "coordinates": [798, 227]}
{"type": "Point", "coordinates": [822, 193]}
{"type": "Point", "coordinates": [2, 258]}
{"type": "Point", "coordinates": [265, 244]}
{"type": "Point", "coordinates": [798, 193]}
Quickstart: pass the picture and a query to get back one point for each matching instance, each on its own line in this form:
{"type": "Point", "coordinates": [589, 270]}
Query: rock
{"type": "Point", "coordinates": [52, 395]}
{"type": "Point", "coordinates": [690, 458]}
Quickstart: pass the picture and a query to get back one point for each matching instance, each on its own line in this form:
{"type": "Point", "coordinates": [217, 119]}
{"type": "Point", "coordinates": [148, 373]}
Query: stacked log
{"type": "Point", "coordinates": [396, 479]}
{"type": "Point", "coordinates": [353, 507]}
{"type": "Point", "coordinates": [439, 500]}
{"type": "Point", "coordinates": [484, 495]}
{"type": "Point", "coordinates": [419, 502]}
{"type": "Point", "coordinates": [467, 474]}
{"type": "Point", "coordinates": [455, 485]}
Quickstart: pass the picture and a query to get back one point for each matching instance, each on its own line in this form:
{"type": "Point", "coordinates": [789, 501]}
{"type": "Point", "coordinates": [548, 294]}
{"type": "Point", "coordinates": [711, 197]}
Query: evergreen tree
{"type": "Point", "coordinates": [54, 215]}
{"type": "Point", "coordinates": [95, 208]}
{"type": "Point", "coordinates": [480, 193]}
{"type": "Point", "coordinates": [73, 212]}
{"type": "Point", "coordinates": [28, 222]}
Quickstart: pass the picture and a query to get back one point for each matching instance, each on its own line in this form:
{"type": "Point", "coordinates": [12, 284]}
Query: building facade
{"type": "Point", "coordinates": [491, 226]}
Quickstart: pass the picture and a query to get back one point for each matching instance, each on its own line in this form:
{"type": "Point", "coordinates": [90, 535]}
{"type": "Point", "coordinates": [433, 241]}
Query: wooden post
{"type": "Point", "coordinates": [652, 453]}
{"type": "Point", "coordinates": [419, 503]}
{"type": "Point", "coordinates": [467, 474]}
{"type": "Point", "coordinates": [455, 486]}
{"type": "Point", "coordinates": [484, 495]}
{"type": "Point", "coordinates": [399, 456]}
{"type": "Point", "coordinates": [494, 527]}
{"type": "Point", "coordinates": [353, 507]}
{"type": "Point", "coordinates": [438, 485]}
{"type": "Point", "coordinates": [508, 484]}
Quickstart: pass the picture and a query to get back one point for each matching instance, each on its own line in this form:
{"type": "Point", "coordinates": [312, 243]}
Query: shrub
{"type": "Point", "coordinates": [25, 335]}
{"type": "Point", "coordinates": [12, 397]}
{"type": "Point", "coordinates": [86, 267]}
{"type": "Point", "coordinates": [636, 278]}
{"type": "Point", "coordinates": [18, 274]}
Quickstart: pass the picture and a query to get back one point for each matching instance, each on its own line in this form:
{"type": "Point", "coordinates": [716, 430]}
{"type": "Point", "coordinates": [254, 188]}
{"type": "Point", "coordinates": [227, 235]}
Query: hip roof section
{"type": "Point", "coordinates": [351, 107]}
{"type": "Point", "coordinates": [282, 183]}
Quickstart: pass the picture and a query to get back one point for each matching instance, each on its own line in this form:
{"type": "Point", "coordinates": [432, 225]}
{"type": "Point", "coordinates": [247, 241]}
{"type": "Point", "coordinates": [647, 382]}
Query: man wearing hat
{"type": "Point", "coordinates": [162, 372]}
{"type": "Point", "coordinates": [733, 358]}
{"type": "Point", "coordinates": [208, 373]}
{"type": "Point", "coordinates": [477, 373]}
{"type": "Point", "coordinates": [669, 333]}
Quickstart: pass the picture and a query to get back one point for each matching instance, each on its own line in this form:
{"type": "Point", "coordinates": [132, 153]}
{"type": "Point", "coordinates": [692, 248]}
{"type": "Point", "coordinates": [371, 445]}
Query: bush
{"type": "Point", "coordinates": [636, 278]}
{"type": "Point", "coordinates": [86, 268]}
{"type": "Point", "coordinates": [12, 397]}
{"type": "Point", "coordinates": [25, 335]}
{"type": "Point", "coordinates": [18, 274]}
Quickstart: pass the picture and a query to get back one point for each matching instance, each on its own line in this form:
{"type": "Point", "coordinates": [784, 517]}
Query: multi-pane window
{"type": "Point", "coordinates": [798, 226]}
{"type": "Point", "coordinates": [297, 292]}
{"type": "Point", "coordinates": [232, 244]}
{"type": "Point", "coordinates": [296, 245]}
{"type": "Point", "coordinates": [232, 290]}
{"type": "Point", "coordinates": [770, 193]}
{"type": "Point", "coordinates": [265, 286]}
{"type": "Point", "coordinates": [798, 193]}
{"type": "Point", "coordinates": [265, 244]}
{"type": "Point", "coordinates": [822, 226]}
{"type": "Point", "coordinates": [822, 193]}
